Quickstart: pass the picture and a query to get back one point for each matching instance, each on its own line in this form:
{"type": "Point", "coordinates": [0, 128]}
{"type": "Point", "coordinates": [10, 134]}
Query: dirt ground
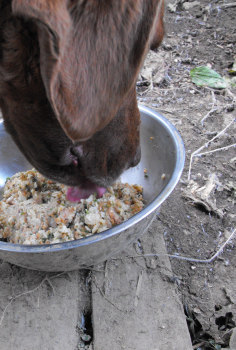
{"type": "Point", "coordinates": [200, 215]}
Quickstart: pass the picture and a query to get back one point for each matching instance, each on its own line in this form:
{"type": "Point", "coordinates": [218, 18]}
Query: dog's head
{"type": "Point", "coordinates": [67, 83]}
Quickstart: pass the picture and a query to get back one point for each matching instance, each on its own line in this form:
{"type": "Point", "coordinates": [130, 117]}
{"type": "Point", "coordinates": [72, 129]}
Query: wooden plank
{"type": "Point", "coordinates": [39, 311]}
{"type": "Point", "coordinates": [135, 306]}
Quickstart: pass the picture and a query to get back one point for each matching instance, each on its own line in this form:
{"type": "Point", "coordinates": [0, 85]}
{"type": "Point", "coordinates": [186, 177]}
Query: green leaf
{"type": "Point", "coordinates": [204, 76]}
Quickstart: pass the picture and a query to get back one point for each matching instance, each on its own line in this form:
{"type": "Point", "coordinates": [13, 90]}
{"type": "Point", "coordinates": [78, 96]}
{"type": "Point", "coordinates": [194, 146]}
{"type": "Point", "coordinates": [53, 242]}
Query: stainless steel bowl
{"type": "Point", "coordinates": [162, 156]}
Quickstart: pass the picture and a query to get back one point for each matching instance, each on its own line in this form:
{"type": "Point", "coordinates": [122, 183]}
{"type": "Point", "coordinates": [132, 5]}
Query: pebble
{"type": "Point", "coordinates": [186, 60]}
{"type": "Point", "coordinates": [230, 108]}
{"type": "Point", "coordinates": [194, 33]}
{"type": "Point", "coordinates": [167, 47]}
{"type": "Point", "coordinates": [86, 337]}
{"type": "Point", "coordinates": [198, 14]}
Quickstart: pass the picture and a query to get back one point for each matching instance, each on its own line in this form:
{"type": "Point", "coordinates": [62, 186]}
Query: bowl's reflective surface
{"type": "Point", "coordinates": [162, 156]}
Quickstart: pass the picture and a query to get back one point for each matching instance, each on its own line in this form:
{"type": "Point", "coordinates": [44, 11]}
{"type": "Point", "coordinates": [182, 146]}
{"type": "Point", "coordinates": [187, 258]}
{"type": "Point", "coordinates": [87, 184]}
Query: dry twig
{"type": "Point", "coordinates": [197, 152]}
{"type": "Point", "coordinates": [213, 108]}
{"type": "Point", "coordinates": [203, 261]}
{"type": "Point", "coordinates": [233, 96]}
{"type": "Point", "coordinates": [217, 149]}
{"type": "Point", "coordinates": [13, 298]}
{"type": "Point", "coordinates": [138, 288]}
{"type": "Point", "coordinates": [226, 6]}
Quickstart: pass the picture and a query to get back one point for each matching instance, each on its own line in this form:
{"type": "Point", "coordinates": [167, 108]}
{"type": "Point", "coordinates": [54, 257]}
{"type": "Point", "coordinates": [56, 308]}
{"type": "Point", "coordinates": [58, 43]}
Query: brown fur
{"type": "Point", "coordinates": [67, 82]}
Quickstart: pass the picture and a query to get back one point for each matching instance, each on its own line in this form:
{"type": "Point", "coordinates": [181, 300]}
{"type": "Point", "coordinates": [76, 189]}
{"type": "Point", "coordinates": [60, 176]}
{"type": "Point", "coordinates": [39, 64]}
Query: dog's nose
{"type": "Point", "coordinates": [136, 158]}
{"type": "Point", "coordinates": [77, 150]}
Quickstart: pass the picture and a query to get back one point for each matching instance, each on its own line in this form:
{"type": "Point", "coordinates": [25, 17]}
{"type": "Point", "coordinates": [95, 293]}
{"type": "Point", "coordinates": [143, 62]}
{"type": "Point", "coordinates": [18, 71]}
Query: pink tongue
{"type": "Point", "coordinates": [75, 194]}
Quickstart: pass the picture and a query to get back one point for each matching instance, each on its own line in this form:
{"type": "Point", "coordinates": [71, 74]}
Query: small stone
{"type": "Point", "coordinates": [172, 8]}
{"type": "Point", "coordinates": [86, 337]}
{"type": "Point", "coordinates": [194, 33]}
{"type": "Point", "coordinates": [197, 310]}
{"type": "Point", "coordinates": [186, 60]}
{"type": "Point", "coordinates": [198, 14]}
{"type": "Point", "coordinates": [227, 263]}
{"type": "Point", "coordinates": [230, 108]}
{"type": "Point", "coordinates": [167, 47]}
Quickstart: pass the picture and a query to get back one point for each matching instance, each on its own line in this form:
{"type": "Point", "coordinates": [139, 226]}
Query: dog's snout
{"type": "Point", "coordinates": [79, 127]}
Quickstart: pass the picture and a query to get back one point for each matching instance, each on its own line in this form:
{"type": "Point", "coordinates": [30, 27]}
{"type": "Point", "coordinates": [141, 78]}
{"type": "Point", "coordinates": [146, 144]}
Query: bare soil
{"type": "Point", "coordinates": [200, 215]}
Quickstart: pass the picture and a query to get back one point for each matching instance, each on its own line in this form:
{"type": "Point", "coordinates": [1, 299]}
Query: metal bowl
{"type": "Point", "coordinates": [162, 156]}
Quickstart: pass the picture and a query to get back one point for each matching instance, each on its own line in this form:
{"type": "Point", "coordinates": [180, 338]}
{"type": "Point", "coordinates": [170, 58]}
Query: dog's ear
{"type": "Point", "coordinates": [90, 55]}
{"type": "Point", "coordinates": [158, 30]}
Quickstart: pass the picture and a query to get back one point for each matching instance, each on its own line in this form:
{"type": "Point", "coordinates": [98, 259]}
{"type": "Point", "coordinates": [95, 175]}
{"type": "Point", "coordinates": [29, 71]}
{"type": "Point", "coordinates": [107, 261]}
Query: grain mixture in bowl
{"type": "Point", "coordinates": [34, 210]}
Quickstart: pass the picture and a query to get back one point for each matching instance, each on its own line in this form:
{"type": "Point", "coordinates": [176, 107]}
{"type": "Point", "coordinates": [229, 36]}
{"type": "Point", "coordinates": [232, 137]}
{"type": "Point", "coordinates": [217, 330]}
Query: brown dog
{"type": "Point", "coordinates": [68, 70]}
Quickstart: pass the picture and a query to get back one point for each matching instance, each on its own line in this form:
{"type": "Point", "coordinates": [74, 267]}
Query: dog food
{"type": "Point", "coordinates": [34, 210]}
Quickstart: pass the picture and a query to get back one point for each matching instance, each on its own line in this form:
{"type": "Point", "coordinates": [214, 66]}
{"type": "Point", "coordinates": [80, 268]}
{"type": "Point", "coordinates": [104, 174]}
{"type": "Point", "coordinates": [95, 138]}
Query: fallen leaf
{"type": "Point", "coordinates": [205, 76]}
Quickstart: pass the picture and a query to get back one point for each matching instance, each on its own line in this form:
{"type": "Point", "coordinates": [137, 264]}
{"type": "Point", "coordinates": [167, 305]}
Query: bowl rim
{"type": "Point", "coordinates": [152, 206]}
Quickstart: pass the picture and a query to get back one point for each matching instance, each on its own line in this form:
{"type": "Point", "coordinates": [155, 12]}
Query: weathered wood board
{"type": "Point", "coordinates": [135, 306]}
{"type": "Point", "coordinates": [38, 311]}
